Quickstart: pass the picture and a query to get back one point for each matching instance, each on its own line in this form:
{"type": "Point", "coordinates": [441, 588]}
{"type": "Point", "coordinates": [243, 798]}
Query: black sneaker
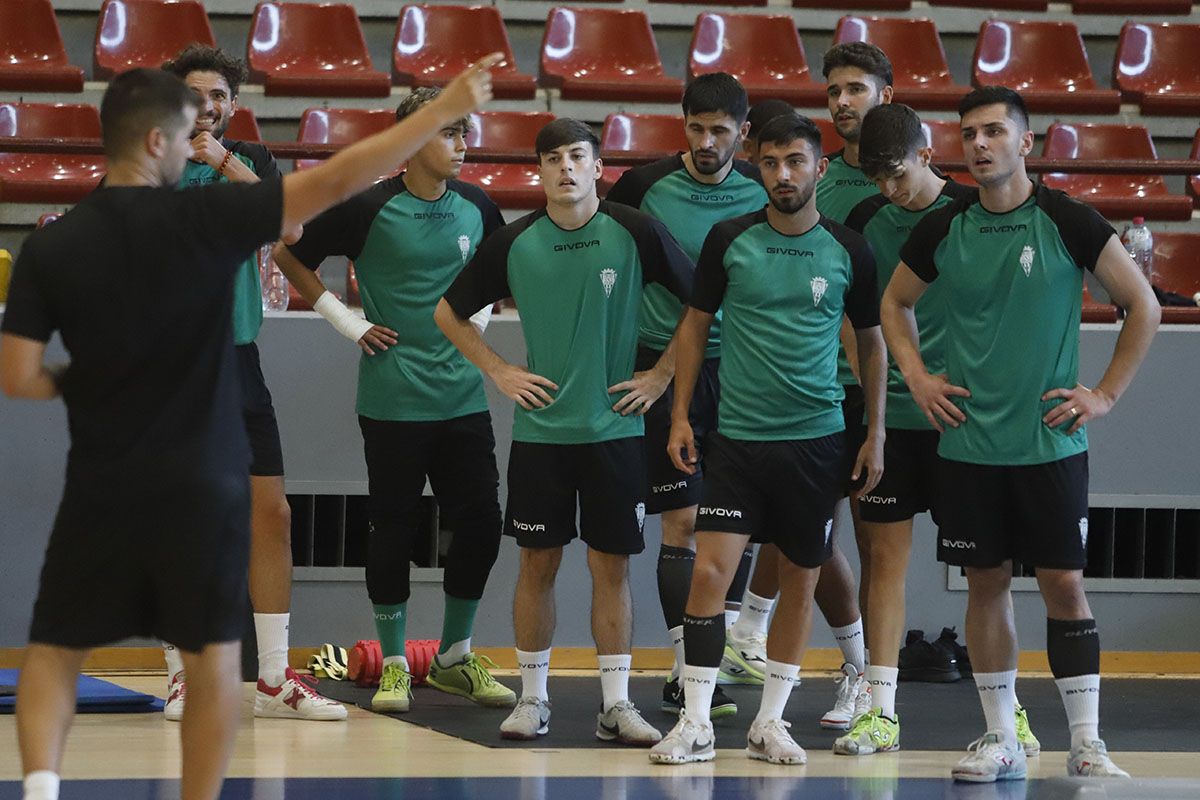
{"type": "Point", "coordinates": [948, 642]}
{"type": "Point", "coordinates": [672, 701]}
{"type": "Point", "coordinates": [922, 661]}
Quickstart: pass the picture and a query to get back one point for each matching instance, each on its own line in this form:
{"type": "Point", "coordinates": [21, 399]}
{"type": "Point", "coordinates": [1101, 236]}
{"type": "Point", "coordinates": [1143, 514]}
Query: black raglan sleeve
{"type": "Point", "coordinates": [1082, 229]}
{"type": "Point", "coordinates": [343, 229]}
{"type": "Point", "coordinates": [485, 278]}
{"type": "Point", "coordinates": [918, 251]}
{"type": "Point", "coordinates": [862, 297]}
{"type": "Point", "coordinates": [711, 277]}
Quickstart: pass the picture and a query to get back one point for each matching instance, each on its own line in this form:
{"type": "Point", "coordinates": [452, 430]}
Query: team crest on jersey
{"type": "Point", "coordinates": [640, 511]}
{"type": "Point", "coordinates": [819, 285]}
{"type": "Point", "coordinates": [464, 246]}
{"type": "Point", "coordinates": [828, 531]}
{"type": "Point", "coordinates": [608, 277]}
{"type": "Point", "coordinates": [1027, 259]}
{"type": "Point", "coordinates": [1083, 529]}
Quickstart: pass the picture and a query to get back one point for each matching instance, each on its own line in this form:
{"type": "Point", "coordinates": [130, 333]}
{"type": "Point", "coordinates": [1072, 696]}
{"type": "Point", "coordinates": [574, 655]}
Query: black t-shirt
{"type": "Point", "coordinates": [138, 281]}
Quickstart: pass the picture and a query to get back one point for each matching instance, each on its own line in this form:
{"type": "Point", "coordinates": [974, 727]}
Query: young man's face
{"type": "Point", "coordinates": [851, 93]}
{"type": "Point", "coordinates": [219, 102]}
{"type": "Point", "coordinates": [993, 144]}
{"type": "Point", "coordinates": [569, 173]}
{"type": "Point", "coordinates": [713, 138]}
{"type": "Point", "coordinates": [177, 148]}
{"type": "Point", "coordinates": [790, 173]}
{"type": "Point", "coordinates": [442, 156]}
{"type": "Point", "coordinates": [904, 183]}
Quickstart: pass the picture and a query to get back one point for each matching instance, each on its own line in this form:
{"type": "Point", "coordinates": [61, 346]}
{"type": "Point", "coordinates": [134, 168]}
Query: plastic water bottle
{"type": "Point", "coordinates": [1139, 242]}
{"type": "Point", "coordinates": [274, 282]}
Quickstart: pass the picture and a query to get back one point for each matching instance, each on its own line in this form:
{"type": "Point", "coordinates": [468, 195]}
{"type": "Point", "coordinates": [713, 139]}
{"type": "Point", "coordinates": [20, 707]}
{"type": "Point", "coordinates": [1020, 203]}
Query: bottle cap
{"type": "Point", "coordinates": [1139, 220]}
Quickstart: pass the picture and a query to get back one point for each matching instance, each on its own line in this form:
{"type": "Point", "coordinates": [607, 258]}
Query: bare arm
{"type": "Point", "coordinates": [644, 388]}
{"type": "Point", "coordinates": [22, 373]}
{"type": "Point", "coordinates": [932, 393]}
{"type": "Point", "coordinates": [522, 386]}
{"type": "Point", "coordinates": [872, 372]}
{"type": "Point", "coordinates": [308, 193]}
{"type": "Point", "coordinates": [690, 339]}
{"type": "Point", "coordinates": [1126, 286]}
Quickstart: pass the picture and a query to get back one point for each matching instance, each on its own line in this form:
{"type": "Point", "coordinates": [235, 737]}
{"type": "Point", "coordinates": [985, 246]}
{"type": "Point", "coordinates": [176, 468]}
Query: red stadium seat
{"type": "Point", "coordinates": [1177, 269]}
{"type": "Point", "coordinates": [32, 55]}
{"type": "Point", "coordinates": [922, 77]}
{"type": "Point", "coordinates": [762, 51]}
{"type": "Point", "coordinates": [723, 2]}
{"type": "Point", "coordinates": [146, 33]}
{"type": "Point", "coordinates": [999, 5]}
{"type": "Point", "coordinates": [831, 140]}
{"type": "Point", "coordinates": [855, 5]}
{"type": "Point", "coordinates": [604, 54]}
{"type": "Point", "coordinates": [339, 126]}
{"type": "Point", "coordinates": [1044, 61]}
{"type": "Point", "coordinates": [1115, 196]}
{"type": "Point", "coordinates": [435, 43]}
{"type": "Point", "coordinates": [1193, 184]}
{"type": "Point", "coordinates": [1131, 6]}
{"type": "Point", "coordinates": [945, 137]}
{"type": "Point", "coordinates": [510, 185]}
{"type": "Point", "coordinates": [47, 177]}
{"type": "Point", "coordinates": [311, 50]}
{"type": "Point", "coordinates": [1094, 311]}
{"type": "Point", "coordinates": [1156, 67]}
{"type": "Point", "coordinates": [639, 134]}
{"type": "Point", "coordinates": [244, 126]}
{"type": "Point", "coordinates": [46, 219]}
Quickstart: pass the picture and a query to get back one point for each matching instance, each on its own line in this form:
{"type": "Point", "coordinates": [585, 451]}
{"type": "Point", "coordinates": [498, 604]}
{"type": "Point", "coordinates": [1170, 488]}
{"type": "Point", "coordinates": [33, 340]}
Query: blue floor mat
{"type": "Point", "coordinates": [94, 697]}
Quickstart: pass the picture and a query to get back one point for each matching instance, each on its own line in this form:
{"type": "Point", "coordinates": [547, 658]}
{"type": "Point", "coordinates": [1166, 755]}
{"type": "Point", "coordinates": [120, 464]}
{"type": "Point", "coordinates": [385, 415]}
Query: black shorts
{"type": "Point", "coordinates": [266, 454]}
{"type": "Point", "coordinates": [854, 408]}
{"type": "Point", "coordinates": [911, 478]}
{"type": "Point", "coordinates": [666, 487]}
{"type": "Point", "coordinates": [1036, 514]}
{"type": "Point", "coordinates": [778, 492]}
{"type": "Point", "coordinates": [166, 563]}
{"type": "Point", "coordinates": [605, 481]}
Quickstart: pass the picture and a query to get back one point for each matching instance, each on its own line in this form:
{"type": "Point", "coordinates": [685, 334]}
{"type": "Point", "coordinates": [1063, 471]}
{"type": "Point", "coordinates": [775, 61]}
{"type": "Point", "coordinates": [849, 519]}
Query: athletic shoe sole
{"type": "Point", "coordinates": [930, 675]}
{"type": "Point", "coordinates": [967, 778]}
{"type": "Point", "coordinates": [835, 725]}
{"type": "Point", "coordinates": [521, 737]}
{"type": "Point", "coordinates": [691, 758]}
{"type": "Point", "coordinates": [388, 707]}
{"type": "Point", "coordinates": [757, 756]}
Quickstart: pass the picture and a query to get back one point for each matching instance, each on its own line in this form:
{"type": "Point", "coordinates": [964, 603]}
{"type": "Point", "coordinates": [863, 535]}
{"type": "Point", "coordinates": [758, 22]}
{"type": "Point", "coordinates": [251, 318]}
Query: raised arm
{"type": "Point", "coordinates": [22, 373]}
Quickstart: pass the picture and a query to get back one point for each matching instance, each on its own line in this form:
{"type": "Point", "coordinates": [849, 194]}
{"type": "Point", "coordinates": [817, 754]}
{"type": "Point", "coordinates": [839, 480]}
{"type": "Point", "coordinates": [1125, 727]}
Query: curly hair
{"type": "Point", "coordinates": [202, 58]}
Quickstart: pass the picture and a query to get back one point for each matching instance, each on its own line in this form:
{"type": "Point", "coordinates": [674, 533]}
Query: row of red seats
{"type": "Point", "coordinates": [57, 178]}
{"type": "Point", "coordinates": [319, 50]}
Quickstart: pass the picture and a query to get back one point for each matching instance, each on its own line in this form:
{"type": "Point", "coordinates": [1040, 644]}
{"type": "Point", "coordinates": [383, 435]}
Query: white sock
{"type": "Point", "coordinates": [676, 635]}
{"type": "Point", "coordinates": [454, 654]}
{"type": "Point", "coordinates": [778, 680]}
{"type": "Point", "coordinates": [754, 616]}
{"type": "Point", "coordinates": [850, 640]}
{"type": "Point", "coordinates": [1081, 697]}
{"type": "Point", "coordinates": [699, 683]}
{"type": "Point", "coordinates": [998, 695]}
{"type": "Point", "coordinates": [401, 660]}
{"type": "Point", "coordinates": [731, 616]}
{"type": "Point", "coordinates": [882, 681]}
{"type": "Point", "coordinates": [867, 656]}
{"type": "Point", "coordinates": [614, 678]}
{"type": "Point", "coordinates": [174, 660]}
{"type": "Point", "coordinates": [41, 785]}
{"type": "Point", "coordinates": [535, 669]}
{"type": "Point", "coordinates": [272, 633]}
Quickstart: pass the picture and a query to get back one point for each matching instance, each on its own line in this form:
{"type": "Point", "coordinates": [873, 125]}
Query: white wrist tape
{"type": "Point", "coordinates": [343, 320]}
{"type": "Point", "coordinates": [481, 318]}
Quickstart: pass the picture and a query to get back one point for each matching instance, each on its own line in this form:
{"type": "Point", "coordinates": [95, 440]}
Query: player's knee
{"type": "Point", "coordinates": [1063, 592]}
{"type": "Point", "coordinates": [989, 581]}
{"type": "Point", "coordinates": [710, 577]}
{"type": "Point", "coordinates": [608, 569]}
{"type": "Point", "coordinates": [539, 565]}
{"type": "Point", "coordinates": [679, 528]}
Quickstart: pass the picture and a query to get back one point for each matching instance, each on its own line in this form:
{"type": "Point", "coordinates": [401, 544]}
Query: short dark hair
{"type": "Point", "coordinates": [762, 113]}
{"type": "Point", "coordinates": [564, 130]}
{"type": "Point", "coordinates": [139, 100]}
{"type": "Point", "coordinates": [863, 55]}
{"type": "Point", "coordinates": [787, 128]}
{"type": "Point", "coordinates": [716, 91]}
{"type": "Point", "coordinates": [419, 97]}
{"type": "Point", "coordinates": [890, 134]}
{"type": "Point", "coordinates": [1012, 101]}
{"type": "Point", "coordinates": [202, 58]}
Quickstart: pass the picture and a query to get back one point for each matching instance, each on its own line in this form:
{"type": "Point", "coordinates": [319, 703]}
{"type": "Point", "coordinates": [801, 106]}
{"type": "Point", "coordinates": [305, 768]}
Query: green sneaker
{"type": "Point", "coordinates": [469, 678]}
{"type": "Point", "coordinates": [1025, 736]}
{"type": "Point", "coordinates": [869, 733]}
{"type": "Point", "coordinates": [395, 690]}
{"type": "Point", "coordinates": [743, 661]}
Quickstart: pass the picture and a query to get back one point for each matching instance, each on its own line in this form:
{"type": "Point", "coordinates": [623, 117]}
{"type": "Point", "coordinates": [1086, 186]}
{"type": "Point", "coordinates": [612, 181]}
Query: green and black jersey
{"type": "Point", "coordinates": [579, 293]}
{"type": "Point", "coordinates": [886, 227]}
{"type": "Point", "coordinates": [1013, 286]}
{"type": "Point", "coordinates": [406, 253]}
{"type": "Point", "coordinates": [784, 299]}
{"type": "Point", "coordinates": [667, 191]}
{"type": "Point", "coordinates": [840, 189]}
{"type": "Point", "coordinates": [247, 287]}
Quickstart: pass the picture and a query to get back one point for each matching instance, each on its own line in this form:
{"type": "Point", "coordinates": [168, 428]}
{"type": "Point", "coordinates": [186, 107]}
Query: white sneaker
{"type": "Point", "coordinates": [622, 723]}
{"type": "Point", "coordinates": [529, 720]}
{"type": "Point", "coordinates": [991, 758]}
{"type": "Point", "coordinates": [744, 660]}
{"type": "Point", "coordinates": [1091, 761]}
{"type": "Point", "coordinates": [769, 740]}
{"type": "Point", "coordinates": [689, 741]}
{"type": "Point", "coordinates": [846, 704]}
{"type": "Point", "coordinates": [295, 698]}
{"type": "Point", "coordinates": [176, 689]}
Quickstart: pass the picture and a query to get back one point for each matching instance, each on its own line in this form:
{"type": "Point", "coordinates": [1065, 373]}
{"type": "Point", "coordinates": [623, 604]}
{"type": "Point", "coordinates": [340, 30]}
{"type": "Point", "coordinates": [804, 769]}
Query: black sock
{"type": "Point", "coordinates": [704, 640]}
{"type": "Point", "coordinates": [1073, 647]}
{"type": "Point", "coordinates": [674, 582]}
{"type": "Point", "coordinates": [741, 578]}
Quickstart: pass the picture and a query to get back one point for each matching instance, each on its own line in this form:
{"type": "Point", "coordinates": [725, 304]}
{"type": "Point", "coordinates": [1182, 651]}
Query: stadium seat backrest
{"type": "Point", "coordinates": [244, 126]}
{"type": "Point", "coordinates": [435, 43]}
{"type": "Point", "coordinates": [146, 33]}
{"type": "Point", "coordinates": [757, 46]}
{"type": "Point", "coordinates": [340, 126]}
{"type": "Point", "coordinates": [913, 46]}
{"type": "Point", "coordinates": [507, 130]}
{"type": "Point", "coordinates": [598, 42]}
{"type": "Point", "coordinates": [642, 133]}
{"type": "Point", "coordinates": [32, 54]}
{"type": "Point", "coordinates": [307, 38]}
{"type": "Point", "coordinates": [1031, 55]}
{"type": "Point", "coordinates": [1157, 58]}
{"type": "Point", "coordinates": [43, 120]}
{"type": "Point", "coordinates": [1177, 261]}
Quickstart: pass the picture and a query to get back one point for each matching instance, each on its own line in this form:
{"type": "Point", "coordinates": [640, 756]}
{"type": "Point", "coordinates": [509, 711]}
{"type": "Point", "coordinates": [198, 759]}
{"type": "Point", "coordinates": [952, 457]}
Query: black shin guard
{"type": "Point", "coordinates": [741, 578]}
{"type": "Point", "coordinates": [1073, 647]}
{"type": "Point", "coordinates": [674, 581]}
{"type": "Point", "coordinates": [704, 640]}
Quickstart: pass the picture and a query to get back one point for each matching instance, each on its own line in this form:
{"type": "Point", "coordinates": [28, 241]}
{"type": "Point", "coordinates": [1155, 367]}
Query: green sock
{"type": "Point", "coordinates": [389, 624]}
{"type": "Point", "coordinates": [458, 622]}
